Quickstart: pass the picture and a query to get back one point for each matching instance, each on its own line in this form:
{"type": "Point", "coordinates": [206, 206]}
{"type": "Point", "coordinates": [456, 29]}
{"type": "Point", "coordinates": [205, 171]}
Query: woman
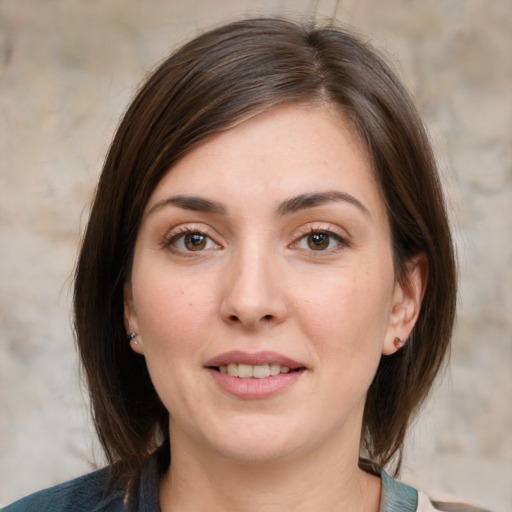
{"type": "Point", "coordinates": [266, 287]}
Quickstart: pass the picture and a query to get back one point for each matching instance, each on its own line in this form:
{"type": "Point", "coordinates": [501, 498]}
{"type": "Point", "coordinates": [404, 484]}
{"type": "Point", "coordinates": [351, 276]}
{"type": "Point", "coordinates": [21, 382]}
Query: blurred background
{"type": "Point", "coordinates": [68, 68]}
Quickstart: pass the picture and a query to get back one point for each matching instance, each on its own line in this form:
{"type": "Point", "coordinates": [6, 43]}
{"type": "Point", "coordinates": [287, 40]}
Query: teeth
{"type": "Point", "coordinates": [245, 371]}
{"type": "Point", "coordinates": [259, 371]}
{"type": "Point", "coordinates": [275, 369]}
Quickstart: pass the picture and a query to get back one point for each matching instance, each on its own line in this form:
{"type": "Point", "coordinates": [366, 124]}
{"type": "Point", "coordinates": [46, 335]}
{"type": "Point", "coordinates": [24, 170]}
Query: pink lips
{"type": "Point", "coordinates": [237, 356]}
{"type": "Point", "coordinates": [253, 388]}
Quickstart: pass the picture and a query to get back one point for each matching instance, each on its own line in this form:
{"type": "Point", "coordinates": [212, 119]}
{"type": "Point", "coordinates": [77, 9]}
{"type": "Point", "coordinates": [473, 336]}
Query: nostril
{"type": "Point", "coordinates": [267, 317]}
{"type": "Point", "coordinates": [234, 318]}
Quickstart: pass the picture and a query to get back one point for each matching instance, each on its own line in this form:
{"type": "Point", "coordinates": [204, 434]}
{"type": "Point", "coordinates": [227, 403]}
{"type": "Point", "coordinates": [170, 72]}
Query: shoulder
{"type": "Point", "coordinates": [399, 497]}
{"type": "Point", "coordinates": [425, 504]}
{"type": "Point", "coordinates": [86, 493]}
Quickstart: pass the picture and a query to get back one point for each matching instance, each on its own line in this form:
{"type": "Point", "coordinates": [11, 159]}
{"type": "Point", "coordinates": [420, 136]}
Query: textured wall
{"type": "Point", "coordinates": [67, 71]}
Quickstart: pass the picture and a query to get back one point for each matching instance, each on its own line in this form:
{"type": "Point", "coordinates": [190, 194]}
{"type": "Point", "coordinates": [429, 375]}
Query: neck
{"type": "Point", "coordinates": [318, 480]}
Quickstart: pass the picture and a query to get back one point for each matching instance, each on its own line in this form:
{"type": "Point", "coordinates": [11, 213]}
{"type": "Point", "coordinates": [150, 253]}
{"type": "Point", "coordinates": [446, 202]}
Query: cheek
{"type": "Point", "coordinates": [173, 312]}
{"type": "Point", "coordinates": [348, 317]}
{"type": "Point", "coordinates": [166, 298]}
{"type": "Point", "coordinates": [174, 316]}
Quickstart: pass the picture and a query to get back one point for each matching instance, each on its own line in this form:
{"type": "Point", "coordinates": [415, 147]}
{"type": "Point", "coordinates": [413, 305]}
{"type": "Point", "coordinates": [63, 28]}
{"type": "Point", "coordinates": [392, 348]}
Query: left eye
{"type": "Point", "coordinates": [319, 241]}
{"type": "Point", "coordinates": [192, 242]}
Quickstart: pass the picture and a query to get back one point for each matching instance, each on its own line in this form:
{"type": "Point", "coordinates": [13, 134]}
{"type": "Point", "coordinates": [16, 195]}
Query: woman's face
{"type": "Point", "coordinates": [263, 288]}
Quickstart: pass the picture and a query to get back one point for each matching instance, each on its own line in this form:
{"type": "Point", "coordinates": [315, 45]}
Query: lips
{"type": "Point", "coordinates": [252, 376]}
{"type": "Point", "coordinates": [257, 359]}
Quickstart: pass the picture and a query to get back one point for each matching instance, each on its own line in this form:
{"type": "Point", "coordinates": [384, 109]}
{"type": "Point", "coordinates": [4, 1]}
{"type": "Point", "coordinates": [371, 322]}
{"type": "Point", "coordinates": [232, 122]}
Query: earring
{"type": "Point", "coordinates": [398, 342]}
{"type": "Point", "coordinates": [131, 338]}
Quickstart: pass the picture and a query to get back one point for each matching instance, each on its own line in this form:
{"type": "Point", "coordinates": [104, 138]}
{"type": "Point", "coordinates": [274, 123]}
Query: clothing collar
{"type": "Point", "coordinates": [395, 496]}
{"type": "Point", "coordinates": [147, 494]}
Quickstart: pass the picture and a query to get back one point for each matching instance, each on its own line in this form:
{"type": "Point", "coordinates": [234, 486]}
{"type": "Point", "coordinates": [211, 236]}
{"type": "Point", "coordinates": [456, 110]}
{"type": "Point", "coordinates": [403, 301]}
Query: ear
{"type": "Point", "coordinates": [130, 319]}
{"type": "Point", "coordinates": [406, 303]}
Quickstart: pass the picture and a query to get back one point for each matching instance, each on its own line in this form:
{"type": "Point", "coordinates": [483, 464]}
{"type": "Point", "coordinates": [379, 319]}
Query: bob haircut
{"type": "Point", "coordinates": [217, 80]}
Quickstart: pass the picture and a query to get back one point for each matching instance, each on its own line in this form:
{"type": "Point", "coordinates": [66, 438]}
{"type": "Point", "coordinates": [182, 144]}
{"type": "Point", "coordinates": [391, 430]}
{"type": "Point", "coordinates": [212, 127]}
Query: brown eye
{"type": "Point", "coordinates": [190, 241]}
{"type": "Point", "coordinates": [195, 241]}
{"type": "Point", "coordinates": [318, 241]}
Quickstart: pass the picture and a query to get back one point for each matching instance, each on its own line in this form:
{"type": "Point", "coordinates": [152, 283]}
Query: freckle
{"type": "Point", "coordinates": [182, 292]}
{"type": "Point", "coordinates": [190, 304]}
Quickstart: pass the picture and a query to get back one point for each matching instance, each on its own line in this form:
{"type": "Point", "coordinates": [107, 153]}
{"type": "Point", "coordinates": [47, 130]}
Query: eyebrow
{"type": "Point", "coordinates": [198, 204]}
{"type": "Point", "coordinates": [304, 201]}
{"type": "Point", "coordinates": [292, 205]}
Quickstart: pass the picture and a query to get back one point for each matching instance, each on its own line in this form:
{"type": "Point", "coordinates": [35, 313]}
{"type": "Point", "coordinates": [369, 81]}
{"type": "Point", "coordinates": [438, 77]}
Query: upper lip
{"type": "Point", "coordinates": [257, 358]}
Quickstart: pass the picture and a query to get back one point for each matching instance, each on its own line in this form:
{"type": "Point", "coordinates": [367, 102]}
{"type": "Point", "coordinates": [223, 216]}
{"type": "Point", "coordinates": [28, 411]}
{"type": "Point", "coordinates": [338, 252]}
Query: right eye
{"type": "Point", "coordinates": [191, 241]}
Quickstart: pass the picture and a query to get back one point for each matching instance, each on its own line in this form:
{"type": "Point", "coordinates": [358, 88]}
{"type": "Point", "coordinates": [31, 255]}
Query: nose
{"type": "Point", "coordinates": [253, 291]}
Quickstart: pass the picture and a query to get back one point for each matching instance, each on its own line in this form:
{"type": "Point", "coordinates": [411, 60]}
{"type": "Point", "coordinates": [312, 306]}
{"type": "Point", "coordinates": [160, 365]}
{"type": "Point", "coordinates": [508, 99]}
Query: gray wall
{"type": "Point", "coordinates": [67, 71]}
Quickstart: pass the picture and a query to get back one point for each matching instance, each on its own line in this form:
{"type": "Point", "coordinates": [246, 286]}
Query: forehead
{"type": "Point", "coordinates": [286, 151]}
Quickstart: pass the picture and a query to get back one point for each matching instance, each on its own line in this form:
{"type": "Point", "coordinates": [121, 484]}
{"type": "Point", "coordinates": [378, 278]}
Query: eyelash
{"type": "Point", "coordinates": [341, 241]}
{"type": "Point", "coordinates": [180, 233]}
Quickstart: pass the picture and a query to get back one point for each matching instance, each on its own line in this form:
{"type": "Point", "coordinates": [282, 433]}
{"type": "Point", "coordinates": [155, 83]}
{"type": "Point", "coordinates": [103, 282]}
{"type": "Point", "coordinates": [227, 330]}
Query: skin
{"type": "Point", "coordinates": [257, 285]}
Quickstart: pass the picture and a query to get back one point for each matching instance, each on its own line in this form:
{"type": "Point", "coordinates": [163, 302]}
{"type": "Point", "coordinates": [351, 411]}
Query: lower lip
{"type": "Point", "coordinates": [255, 388]}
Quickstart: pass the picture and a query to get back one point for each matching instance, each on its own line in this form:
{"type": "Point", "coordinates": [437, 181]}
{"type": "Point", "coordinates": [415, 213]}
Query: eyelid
{"type": "Point", "coordinates": [179, 231]}
{"type": "Point", "coordinates": [326, 227]}
{"type": "Point", "coordinates": [321, 227]}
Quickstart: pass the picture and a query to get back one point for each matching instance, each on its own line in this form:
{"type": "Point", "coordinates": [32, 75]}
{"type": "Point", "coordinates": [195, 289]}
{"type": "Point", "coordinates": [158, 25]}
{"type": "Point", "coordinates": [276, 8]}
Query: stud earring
{"type": "Point", "coordinates": [131, 338]}
{"type": "Point", "coordinates": [398, 342]}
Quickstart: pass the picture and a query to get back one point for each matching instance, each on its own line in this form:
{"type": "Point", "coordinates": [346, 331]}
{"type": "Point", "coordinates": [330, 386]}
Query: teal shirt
{"type": "Point", "coordinates": [90, 493]}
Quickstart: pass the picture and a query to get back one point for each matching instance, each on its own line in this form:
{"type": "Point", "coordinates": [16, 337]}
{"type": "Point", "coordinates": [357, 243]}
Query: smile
{"type": "Point", "coordinates": [254, 375]}
{"type": "Point", "coordinates": [249, 371]}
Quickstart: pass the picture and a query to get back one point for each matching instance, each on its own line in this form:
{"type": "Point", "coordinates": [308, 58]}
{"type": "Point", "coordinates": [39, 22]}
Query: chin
{"type": "Point", "coordinates": [258, 443]}
{"type": "Point", "coordinates": [255, 453]}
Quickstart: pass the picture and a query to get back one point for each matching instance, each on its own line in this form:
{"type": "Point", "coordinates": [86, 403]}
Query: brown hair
{"type": "Point", "coordinates": [213, 82]}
